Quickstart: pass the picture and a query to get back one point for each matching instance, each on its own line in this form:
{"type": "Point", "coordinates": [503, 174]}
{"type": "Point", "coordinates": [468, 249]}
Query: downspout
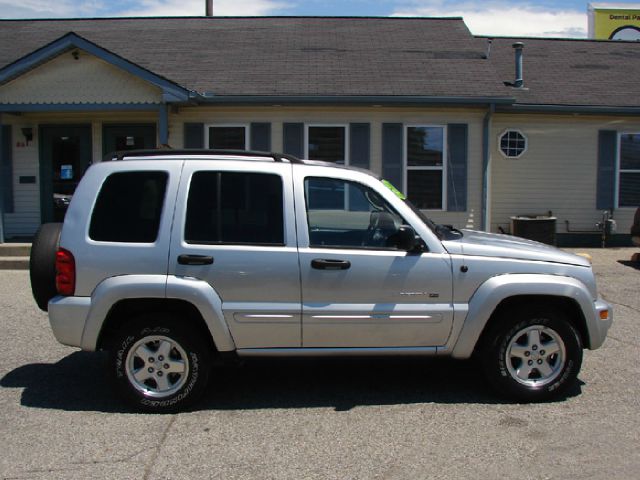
{"type": "Point", "coordinates": [1, 188]}
{"type": "Point", "coordinates": [163, 125]}
{"type": "Point", "coordinates": [485, 224]}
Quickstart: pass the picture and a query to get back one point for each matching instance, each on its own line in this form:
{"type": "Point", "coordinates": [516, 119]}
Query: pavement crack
{"type": "Point", "coordinates": [116, 460]}
{"type": "Point", "coordinates": [624, 342]}
{"type": "Point", "coordinates": [29, 473]}
{"type": "Point", "coordinates": [635, 309]}
{"type": "Point", "coordinates": [154, 457]}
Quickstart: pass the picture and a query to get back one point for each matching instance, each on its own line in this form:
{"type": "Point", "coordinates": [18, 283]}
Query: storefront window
{"type": "Point", "coordinates": [327, 143]}
{"type": "Point", "coordinates": [425, 166]}
{"type": "Point", "coordinates": [629, 171]}
{"type": "Point", "coordinates": [223, 137]}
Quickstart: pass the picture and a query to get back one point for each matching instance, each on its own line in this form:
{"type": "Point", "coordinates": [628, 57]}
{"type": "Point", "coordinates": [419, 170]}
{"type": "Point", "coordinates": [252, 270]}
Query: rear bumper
{"type": "Point", "coordinates": [67, 316]}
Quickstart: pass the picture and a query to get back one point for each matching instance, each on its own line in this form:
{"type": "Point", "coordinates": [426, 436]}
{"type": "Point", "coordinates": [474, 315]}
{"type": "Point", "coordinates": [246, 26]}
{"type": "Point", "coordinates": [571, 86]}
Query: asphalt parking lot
{"type": "Point", "coordinates": [359, 419]}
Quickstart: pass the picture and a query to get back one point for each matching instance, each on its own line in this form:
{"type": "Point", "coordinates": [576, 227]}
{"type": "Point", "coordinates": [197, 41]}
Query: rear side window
{"type": "Point", "coordinates": [129, 207]}
{"type": "Point", "coordinates": [235, 208]}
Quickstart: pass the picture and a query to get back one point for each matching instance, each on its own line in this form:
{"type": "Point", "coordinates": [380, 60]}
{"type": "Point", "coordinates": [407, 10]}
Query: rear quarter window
{"type": "Point", "coordinates": [129, 207]}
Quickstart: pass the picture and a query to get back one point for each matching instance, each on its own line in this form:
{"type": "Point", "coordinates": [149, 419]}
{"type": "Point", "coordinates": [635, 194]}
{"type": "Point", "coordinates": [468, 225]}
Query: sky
{"type": "Point", "coordinates": [546, 18]}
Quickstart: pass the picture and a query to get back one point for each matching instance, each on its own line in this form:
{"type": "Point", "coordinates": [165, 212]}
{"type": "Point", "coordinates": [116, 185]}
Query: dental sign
{"type": "Point", "coordinates": [614, 21]}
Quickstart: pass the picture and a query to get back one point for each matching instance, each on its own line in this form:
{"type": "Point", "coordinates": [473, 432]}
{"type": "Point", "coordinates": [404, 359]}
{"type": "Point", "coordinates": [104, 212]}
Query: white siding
{"type": "Point", "coordinates": [558, 172]}
{"type": "Point", "coordinates": [277, 116]}
{"type": "Point", "coordinates": [26, 197]}
{"type": "Point", "coordinates": [86, 80]}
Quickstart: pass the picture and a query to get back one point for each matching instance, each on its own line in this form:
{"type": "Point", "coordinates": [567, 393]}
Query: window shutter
{"type": "Point", "coordinates": [607, 151]}
{"type": "Point", "coordinates": [293, 139]}
{"type": "Point", "coordinates": [457, 140]}
{"type": "Point", "coordinates": [6, 169]}
{"type": "Point", "coordinates": [261, 137]}
{"type": "Point", "coordinates": [359, 145]}
{"type": "Point", "coordinates": [392, 154]}
{"type": "Point", "coordinates": [194, 135]}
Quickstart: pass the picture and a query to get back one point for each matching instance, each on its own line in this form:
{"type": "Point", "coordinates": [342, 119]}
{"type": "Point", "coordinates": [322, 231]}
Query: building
{"type": "Point", "coordinates": [440, 113]}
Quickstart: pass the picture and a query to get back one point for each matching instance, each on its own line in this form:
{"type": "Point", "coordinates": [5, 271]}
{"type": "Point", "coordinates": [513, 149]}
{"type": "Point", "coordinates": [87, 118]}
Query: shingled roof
{"type": "Point", "coordinates": [310, 56]}
{"type": "Point", "coordinates": [572, 72]}
{"type": "Point", "coordinates": [220, 57]}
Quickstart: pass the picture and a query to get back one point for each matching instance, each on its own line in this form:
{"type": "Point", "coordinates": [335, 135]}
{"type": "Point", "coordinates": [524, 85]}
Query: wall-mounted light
{"type": "Point", "coordinates": [75, 54]}
{"type": "Point", "coordinates": [27, 133]}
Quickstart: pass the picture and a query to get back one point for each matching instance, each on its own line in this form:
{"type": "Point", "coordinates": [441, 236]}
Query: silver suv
{"type": "Point", "coordinates": [168, 259]}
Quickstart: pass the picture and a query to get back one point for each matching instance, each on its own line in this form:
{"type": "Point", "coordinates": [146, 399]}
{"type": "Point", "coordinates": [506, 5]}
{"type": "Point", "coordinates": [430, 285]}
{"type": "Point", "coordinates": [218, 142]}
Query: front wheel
{"type": "Point", "coordinates": [158, 364]}
{"type": "Point", "coordinates": [532, 359]}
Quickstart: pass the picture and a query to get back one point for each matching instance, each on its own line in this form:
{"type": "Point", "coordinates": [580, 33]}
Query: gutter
{"type": "Point", "coordinates": [584, 109]}
{"type": "Point", "coordinates": [368, 100]}
{"type": "Point", "coordinates": [1, 190]}
{"type": "Point", "coordinates": [486, 165]}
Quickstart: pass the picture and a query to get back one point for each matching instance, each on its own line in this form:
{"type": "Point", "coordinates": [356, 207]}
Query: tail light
{"type": "Point", "coordinates": [65, 272]}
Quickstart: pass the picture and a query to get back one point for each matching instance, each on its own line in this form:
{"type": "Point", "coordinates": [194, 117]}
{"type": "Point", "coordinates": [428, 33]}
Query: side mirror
{"type": "Point", "coordinates": [404, 239]}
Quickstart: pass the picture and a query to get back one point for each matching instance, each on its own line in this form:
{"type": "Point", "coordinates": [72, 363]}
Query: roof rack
{"type": "Point", "coordinates": [276, 157]}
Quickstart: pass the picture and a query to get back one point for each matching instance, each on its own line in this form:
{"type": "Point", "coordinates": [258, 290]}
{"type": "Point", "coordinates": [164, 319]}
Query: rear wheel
{"type": "Point", "coordinates": [159, 364]}
{"type": "Point", "coordinates": [532, 357]}
{"type": "Point", "coordinates": [42, 264]}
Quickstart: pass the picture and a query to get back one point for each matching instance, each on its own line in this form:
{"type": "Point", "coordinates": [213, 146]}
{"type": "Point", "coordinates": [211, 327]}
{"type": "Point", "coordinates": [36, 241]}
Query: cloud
{"type": "Point", "coordinates": [503, 18]}
{"type": "Point", "coordinates": [139, 8]}
{"type": "Point", "coordinates": [49, 9]}
{"type": "Point", "coordinates": [171, 8]}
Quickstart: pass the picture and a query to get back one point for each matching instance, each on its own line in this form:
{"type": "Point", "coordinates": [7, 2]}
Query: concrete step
{"type": "Point", "coordinates": [15, 249]}
{"type": "Point", "coordinates": [14, 263]}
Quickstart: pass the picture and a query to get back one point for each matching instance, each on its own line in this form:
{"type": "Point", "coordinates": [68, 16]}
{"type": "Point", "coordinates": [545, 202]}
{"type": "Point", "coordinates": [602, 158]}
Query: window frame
{"type": "Point", "coordinates": [443, 168]}
{"type": "Point", "coordinates": [526, 143]}
{"type": "Point", "coordinates": [620, 171]}
{"type": "Point", "coordinates": [345, 126]}
{"type": "Point", "coordinates": [247, 132]}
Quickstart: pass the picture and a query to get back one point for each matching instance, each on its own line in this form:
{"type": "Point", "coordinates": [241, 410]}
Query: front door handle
{"type": "Point", "coordinates": [195, 260]}
{"type": "Point", "coordinates": [328, 264]}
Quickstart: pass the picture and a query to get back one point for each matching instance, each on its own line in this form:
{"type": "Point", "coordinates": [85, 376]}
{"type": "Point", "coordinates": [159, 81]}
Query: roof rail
{"type": "Point", "coordinates": [276, 157]}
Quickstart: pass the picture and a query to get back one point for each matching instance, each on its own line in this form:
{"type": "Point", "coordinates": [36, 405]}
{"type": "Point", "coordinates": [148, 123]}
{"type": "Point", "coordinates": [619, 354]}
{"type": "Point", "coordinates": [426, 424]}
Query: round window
{"type": "Point", "coordinates": [512, 143]}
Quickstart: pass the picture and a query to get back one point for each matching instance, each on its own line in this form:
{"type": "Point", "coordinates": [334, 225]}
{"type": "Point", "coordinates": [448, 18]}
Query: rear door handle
{"type": "Point", "coordinates": [195, 260]}
{"type": "Point", "coordinates": [329, 264]}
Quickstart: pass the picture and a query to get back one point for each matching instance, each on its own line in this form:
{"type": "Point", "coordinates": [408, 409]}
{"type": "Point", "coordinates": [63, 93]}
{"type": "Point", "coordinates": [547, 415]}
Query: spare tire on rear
{"type": "Point", "coordinates": [42, 265]}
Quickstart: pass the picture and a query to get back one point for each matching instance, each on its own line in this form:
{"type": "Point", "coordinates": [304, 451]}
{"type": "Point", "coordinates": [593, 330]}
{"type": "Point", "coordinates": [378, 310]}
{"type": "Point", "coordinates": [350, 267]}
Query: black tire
{"type": "Point", "coordinates": [145, 393]}
{"type": "Point", "coordinates": [519, 367]}
{"type": "Point", "coordinates": [42, 264]}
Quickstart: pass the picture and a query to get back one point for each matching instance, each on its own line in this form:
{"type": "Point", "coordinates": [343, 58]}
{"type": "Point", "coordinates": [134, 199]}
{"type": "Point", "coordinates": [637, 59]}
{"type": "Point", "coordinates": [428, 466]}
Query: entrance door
{"type": "Point", "coordinates": [116, 138]}
{"type": "Point", "coordinates": [65, 154]}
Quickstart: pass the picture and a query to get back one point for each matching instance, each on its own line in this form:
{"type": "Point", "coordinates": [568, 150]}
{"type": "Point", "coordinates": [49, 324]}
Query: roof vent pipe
{"type": "Point", "coordinates": [488, 53]}
{"type": "Point", "coordinates": [519, 82]}
{"type": "Point", "coordinates": [209, 8]}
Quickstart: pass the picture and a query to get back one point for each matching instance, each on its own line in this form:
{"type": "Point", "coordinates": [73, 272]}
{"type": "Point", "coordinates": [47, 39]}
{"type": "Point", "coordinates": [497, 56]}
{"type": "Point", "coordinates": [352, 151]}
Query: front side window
{"type": "Point", "coordinates": [233, 137]}
{"type": "Point", "coordinates": [425, 156]}
{"type": "Point", "coordinates": [629, 171]}
{"type": "Point", "coordinates": [327, 143]}
{"type": "Point", "coordinates": [129, 207]}
{"type": "Point", "coordinates": [235, 208]}
{"type": "Point", "coordinates": [343, 214]}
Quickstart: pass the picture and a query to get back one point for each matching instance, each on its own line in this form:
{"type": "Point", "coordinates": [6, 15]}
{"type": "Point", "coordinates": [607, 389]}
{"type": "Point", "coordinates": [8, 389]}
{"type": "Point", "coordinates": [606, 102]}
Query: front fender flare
{"type": "Point", "coordinates": [489, 295]}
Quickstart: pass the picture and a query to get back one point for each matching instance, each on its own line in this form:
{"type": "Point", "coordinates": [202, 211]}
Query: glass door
{"type": "Point", "coordinates": [65, 154]}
